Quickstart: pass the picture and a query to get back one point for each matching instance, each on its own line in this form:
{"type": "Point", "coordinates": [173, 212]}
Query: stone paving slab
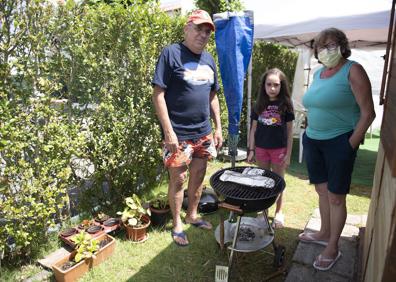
{"type": "Point", "coordinates": [352, 219]}
{"type": "Point", "coordinates": [52, 258]}
{"type": "Point", "coordinates": [350, 232]}
{"type": "Point", "coordinates": [302, 273]}
{"type": "Point", "coordinates": [344, 269]}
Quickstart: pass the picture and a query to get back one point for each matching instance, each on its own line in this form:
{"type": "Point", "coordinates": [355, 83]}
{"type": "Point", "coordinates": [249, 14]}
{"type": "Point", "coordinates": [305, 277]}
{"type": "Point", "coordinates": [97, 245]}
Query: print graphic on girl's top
{"type": "Point", "coordinates": [271, 116]}
{"type": "Point", "coordinates": [197, 74]}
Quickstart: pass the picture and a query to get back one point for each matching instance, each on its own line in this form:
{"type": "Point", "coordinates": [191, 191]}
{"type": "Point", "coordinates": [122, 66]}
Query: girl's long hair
{"type": "Point", "coordinates": [284, 98]}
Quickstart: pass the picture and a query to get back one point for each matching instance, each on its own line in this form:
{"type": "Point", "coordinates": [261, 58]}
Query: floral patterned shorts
{"type": "Point", "coordinates": [188, 149]}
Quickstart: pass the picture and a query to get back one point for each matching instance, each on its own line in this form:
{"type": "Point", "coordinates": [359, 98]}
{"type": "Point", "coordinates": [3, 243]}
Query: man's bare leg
{"type": "Point", "coordinates": [177, 176]}
{"type": "Point", "coordinates": [197, 169]}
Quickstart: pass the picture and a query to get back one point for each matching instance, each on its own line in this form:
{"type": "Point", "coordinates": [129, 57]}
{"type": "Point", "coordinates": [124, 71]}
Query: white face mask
{"type": "Point", "coordinates": [330, 58]}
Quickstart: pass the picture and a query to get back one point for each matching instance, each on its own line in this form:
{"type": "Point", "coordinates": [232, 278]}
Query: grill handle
{"type": "Point", "coordinates": [230, 207]}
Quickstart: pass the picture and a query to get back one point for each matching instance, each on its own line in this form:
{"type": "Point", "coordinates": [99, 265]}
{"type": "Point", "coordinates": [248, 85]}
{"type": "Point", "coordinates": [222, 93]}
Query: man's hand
{"type": "Point", "coordinates": [218, 139]}
{"type": "Point", "coordinates": [171, 142]}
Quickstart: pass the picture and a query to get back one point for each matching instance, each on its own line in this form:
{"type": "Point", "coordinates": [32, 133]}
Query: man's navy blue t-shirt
{"type": "Point", "coordinates": [187, 79]}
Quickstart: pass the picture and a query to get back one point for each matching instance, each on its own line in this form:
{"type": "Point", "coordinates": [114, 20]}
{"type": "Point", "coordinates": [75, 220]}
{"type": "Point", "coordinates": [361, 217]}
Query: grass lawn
{"type": "Point", "coordinates": [159, 259]}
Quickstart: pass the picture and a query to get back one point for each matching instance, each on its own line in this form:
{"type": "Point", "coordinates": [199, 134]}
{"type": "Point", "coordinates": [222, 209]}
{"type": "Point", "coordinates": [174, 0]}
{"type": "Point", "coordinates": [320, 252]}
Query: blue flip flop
{"type": "Point", "coordinates": [201, 224]}
{"type": "Point", "coordinates": [181, 235]}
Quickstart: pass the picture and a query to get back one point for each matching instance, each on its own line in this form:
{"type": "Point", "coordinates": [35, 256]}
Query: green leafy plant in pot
{"type": "Point", "coordinates": [135, 218]}
{"type": "Point", "coordinates": [85, 246]}
{"type": "Point", "coordinates": [88, 253]}
{"type": "Point", "coordinates": [159, 207]}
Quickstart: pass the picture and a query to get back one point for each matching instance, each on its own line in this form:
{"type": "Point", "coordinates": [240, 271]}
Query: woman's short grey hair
{"type": "Point", "coordinates": [337, 35]}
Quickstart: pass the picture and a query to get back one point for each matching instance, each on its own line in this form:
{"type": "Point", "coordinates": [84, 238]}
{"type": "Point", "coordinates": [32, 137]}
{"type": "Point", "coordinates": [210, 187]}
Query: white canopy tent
{"type": "Point", "coordinates": [364, 30]}
{"type": "Point", "coordinates": [367, 35]}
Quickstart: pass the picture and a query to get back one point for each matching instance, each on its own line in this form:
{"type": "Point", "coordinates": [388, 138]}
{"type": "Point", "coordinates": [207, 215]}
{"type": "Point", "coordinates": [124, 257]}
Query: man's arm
{"type": "Point", "coordinates": [215, 115]}
{"type": "Point", "coordinates": [171, 141]}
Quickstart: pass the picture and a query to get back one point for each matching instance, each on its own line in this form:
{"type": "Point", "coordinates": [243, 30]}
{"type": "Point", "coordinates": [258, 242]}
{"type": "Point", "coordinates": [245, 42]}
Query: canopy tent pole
{"type": "Point", "coordinates": [249, 99]}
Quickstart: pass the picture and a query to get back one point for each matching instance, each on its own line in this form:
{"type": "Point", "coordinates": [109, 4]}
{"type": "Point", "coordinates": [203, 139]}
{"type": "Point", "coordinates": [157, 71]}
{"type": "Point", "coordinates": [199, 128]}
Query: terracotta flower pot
{"type": "Point", "coordinates": [138, 234]}
{"type": "Point", "coordinates": [102, 218]}
{"type": "Point", "coordinates": [73, 273]}
{"type": "Point", "coordinates": [93, 229]}
{"type": "Point", "coordinates": [159, 217]}
{"type": "Point", "coordinates": [105, 251]}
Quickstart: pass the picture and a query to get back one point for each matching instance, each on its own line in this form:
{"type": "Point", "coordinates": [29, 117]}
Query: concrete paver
{"type": "Point", "coordinates": [346, 266]}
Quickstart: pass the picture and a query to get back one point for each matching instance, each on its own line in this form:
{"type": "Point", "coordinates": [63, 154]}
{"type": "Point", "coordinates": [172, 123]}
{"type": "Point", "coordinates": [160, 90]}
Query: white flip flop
{"type": "Point", "coordinates": [310, 239]}
{"type": "Point", "coordinates": [322, 259]}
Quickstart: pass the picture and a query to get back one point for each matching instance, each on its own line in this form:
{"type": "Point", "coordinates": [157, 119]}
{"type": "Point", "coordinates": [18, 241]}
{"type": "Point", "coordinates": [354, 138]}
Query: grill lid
{"type": "Point", "coordinates": [243, 192]}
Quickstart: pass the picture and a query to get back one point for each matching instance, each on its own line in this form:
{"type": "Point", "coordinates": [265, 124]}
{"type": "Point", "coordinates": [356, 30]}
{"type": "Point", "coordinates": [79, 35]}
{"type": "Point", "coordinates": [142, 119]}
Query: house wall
{"type": "Point", "coordinates": [378, 259]}
{"type": "Point", "coordinates": [177, 6]}
{"type": "Point", "coordinates": [379, 253]}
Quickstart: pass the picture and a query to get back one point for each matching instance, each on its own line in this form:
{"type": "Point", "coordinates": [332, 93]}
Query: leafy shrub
{"type": "Point", "coordinates": [36, 140]}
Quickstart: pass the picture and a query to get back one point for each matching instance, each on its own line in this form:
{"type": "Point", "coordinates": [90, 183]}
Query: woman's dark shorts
{"type": "Point", "coordinates": [330, 161]}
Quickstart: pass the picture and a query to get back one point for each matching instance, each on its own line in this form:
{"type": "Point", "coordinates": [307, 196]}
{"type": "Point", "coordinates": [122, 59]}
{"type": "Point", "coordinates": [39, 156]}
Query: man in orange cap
{"type": "Point", "coordinates": [185, 85]}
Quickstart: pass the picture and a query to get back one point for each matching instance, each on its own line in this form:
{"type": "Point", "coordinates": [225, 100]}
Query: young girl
{"type": "Point", "coordinates": [271, 133]}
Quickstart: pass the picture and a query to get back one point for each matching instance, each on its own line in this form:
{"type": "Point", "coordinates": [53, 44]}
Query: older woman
{"type": "Point", "coordinates": [340, 110]}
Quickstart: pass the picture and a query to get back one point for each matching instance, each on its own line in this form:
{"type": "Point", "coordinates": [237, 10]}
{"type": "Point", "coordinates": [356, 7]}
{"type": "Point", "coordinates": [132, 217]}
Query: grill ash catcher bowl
{"type": "Point", "coordinates": [243, 233]}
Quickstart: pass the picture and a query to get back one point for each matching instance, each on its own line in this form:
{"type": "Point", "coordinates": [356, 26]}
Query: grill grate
{"type": "Point", "coordinates": [244, 192]}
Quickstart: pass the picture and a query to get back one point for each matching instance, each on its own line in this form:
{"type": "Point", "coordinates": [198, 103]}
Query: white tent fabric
{"type": "Point", "coordinates": [301, 76]}
{"type": "Point", "coordinates": [365, 30]}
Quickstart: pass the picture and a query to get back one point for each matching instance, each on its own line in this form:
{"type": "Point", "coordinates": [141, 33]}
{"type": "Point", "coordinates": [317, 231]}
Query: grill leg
{"type": "Point", "coordinates": [234, 241]}
{"type": "Point", "coordinates": [270, 230]}
{"type": "Point", "coordinates": [221, 232]}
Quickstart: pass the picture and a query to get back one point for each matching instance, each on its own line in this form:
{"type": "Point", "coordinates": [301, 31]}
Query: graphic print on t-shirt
{"type": "Point", "coordinates": [197, 74]}
{"type": "Point", "coordinates": [270, 116]}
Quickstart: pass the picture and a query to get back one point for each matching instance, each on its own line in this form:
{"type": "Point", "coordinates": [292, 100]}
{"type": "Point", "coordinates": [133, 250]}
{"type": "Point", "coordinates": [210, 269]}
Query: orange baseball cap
{"type": "Point", "coordinates": [200, 17]}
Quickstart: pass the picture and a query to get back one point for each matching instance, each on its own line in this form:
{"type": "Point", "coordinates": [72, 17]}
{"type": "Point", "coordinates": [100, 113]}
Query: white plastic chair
{"type": "Point", "coordinates": [299, 125]}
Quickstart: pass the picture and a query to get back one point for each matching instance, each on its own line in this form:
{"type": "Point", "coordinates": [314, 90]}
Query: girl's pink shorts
{"type": "Point", "coordinates": [274, 156]}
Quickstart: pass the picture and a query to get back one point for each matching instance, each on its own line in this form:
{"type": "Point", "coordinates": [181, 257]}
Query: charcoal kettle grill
{"type": "Point", "coordinates": [247, 234]}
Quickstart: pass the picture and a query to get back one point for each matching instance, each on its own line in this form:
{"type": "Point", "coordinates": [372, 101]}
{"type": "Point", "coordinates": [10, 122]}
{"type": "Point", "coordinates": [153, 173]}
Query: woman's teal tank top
{"type": "Point", "coordinates": [331, 105]}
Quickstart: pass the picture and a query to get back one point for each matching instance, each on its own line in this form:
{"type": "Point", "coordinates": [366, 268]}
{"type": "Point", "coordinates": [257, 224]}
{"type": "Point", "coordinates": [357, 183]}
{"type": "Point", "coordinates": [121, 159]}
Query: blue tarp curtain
{"type": "Point", "coordinates": [234, 43]}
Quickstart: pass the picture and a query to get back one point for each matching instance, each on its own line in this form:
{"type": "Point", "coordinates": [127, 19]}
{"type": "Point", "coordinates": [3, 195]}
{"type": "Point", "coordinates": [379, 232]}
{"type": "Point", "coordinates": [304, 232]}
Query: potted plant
{"type": "Point", "coordinates": [85, 246]}
{"type": "Point", "coordinates": [89, 252]}
{"type": "Point", "coordinates": [101, 217]}
{"type": "Point", "coordinates": [135, 218]}
{"type": "Point", "coordinates": [159, 207]}
{"type": "Point", "coordinates": [107, 222]}
{"type": "Point", "coordinates": [85, 224]}
{"type": "Point", "coordinates": [91, 226]}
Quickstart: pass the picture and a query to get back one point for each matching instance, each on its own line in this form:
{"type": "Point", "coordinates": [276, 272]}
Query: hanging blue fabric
{"type": "Point", "coordinates": [234, 43]}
